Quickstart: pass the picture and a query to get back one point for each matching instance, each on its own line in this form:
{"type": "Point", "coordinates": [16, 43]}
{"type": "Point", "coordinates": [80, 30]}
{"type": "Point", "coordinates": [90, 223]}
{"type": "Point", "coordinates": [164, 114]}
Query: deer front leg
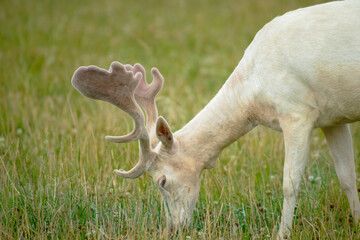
{"type": "Point", "coordinates": [297, 141]}
{"type": "Point", "coordinates": [340, 144]}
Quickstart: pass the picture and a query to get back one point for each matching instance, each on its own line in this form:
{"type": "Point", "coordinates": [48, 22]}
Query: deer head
{"type": "Point", "coordinates": [174, 169]}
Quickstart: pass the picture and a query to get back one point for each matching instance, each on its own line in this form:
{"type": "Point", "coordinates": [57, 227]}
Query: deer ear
{"type": "Point", "coordinates": [163, 132]}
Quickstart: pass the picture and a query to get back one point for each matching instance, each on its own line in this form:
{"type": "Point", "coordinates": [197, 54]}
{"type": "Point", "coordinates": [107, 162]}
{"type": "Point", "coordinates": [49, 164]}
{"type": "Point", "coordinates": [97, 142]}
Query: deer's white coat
{"type": "Point", "coordinates": [302, 71]}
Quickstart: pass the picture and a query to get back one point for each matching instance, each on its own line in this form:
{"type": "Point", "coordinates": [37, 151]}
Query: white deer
{"type": "Point", "coordinates": [301, 71]}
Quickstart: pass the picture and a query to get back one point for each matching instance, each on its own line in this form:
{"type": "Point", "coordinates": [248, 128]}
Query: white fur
{"type": "Point", "coordinates": [302, 71]}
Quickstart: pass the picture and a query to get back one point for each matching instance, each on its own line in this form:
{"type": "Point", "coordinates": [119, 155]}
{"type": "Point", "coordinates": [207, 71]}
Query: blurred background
{"type": "Point", "coordinates": [56, 169]}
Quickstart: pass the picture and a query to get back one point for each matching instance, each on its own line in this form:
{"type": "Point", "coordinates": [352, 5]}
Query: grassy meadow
{"type": "Point", "coordinates": [56, 169]}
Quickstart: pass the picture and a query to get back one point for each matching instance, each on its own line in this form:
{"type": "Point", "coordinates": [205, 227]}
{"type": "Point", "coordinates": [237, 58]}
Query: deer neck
{"type": "Point", "coordinates": [223, 120]}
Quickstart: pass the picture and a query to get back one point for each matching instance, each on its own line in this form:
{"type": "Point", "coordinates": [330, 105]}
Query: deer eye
{"type": "Point", "coordinates": [162, 181]}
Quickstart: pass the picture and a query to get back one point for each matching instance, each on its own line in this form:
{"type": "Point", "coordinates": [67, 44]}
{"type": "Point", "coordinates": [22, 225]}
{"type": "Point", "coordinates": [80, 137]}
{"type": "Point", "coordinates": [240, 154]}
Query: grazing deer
{"type": "Point", "coordinates": [301, 71]}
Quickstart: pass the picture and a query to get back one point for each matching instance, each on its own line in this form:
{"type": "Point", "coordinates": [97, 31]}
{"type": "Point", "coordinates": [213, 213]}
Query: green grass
{"type": "Point", "coordinates": [56, 175]}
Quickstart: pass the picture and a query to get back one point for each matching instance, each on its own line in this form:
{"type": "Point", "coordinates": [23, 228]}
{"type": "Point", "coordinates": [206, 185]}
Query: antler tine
{"type": "Point", "coordinates": [145, 95]}
{"type": "Point", "coordinates": [135, 172]}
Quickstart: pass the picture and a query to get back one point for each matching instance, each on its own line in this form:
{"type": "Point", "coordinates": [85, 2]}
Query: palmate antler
{"type": "Point", "coordinates": [124, 86]}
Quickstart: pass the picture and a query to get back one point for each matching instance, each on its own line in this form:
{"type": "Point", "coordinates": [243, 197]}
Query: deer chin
{"type": "Point", "coordinates": [179, 213]}
{"type": "Point", "coordinates": [179, 217]}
